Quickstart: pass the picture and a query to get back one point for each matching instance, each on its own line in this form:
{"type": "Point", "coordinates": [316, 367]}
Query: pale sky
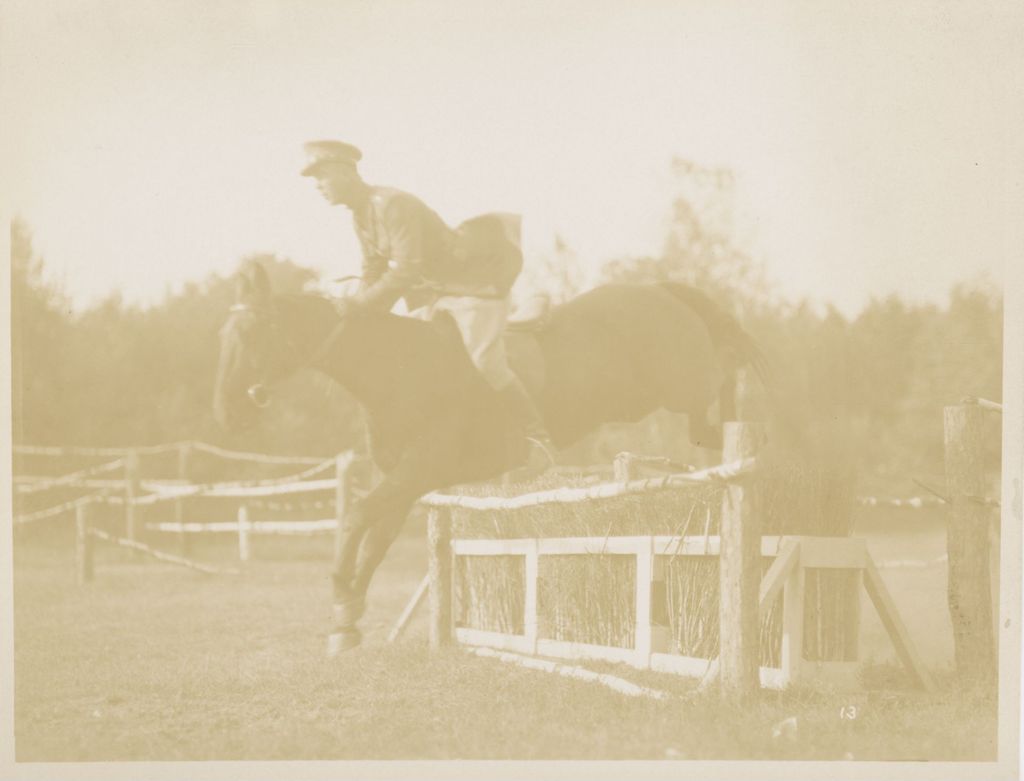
{"type": "Point", "coordinates": [876, 145]}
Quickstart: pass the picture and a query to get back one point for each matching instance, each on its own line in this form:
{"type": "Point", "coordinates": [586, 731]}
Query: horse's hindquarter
{"type": "Point", "coordinates": [619, 352]}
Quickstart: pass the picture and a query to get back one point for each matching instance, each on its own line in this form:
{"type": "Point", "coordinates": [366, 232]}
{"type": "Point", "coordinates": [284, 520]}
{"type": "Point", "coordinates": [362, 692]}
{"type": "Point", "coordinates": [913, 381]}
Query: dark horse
{"type": "Point", "coordinates": [615, 353]}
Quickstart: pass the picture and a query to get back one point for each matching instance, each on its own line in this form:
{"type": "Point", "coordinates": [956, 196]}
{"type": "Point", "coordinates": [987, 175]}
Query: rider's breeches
{"type": "Point", "coordinates": [481, 321]}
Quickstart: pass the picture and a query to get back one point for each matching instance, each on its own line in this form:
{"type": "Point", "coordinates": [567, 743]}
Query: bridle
{"type": "Point", "coordinates": [257, 392]}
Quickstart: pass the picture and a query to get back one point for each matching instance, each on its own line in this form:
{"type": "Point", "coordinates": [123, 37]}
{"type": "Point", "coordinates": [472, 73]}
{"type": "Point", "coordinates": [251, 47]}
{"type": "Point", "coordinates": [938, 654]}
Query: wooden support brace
{"type": "Point", "coordinates": [886, 609]}
{"type": "Point", "coordinates": [410, 609]}
{"type": "Point", "coordinates": [784, 566]}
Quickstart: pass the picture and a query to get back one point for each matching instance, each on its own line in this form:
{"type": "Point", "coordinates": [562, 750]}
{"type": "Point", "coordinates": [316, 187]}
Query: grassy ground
{"type": "Point", "coordinates": [153, 662]}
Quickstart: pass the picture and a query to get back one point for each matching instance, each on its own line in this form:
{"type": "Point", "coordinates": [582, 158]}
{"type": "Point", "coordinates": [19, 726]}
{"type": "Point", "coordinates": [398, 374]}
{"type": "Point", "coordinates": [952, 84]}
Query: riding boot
{"type": "Point", "coordinates": [526, 415]}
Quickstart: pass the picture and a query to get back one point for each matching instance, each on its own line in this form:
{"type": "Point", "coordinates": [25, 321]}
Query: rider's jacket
{"type": "Point", "coordinates": [409, 251]}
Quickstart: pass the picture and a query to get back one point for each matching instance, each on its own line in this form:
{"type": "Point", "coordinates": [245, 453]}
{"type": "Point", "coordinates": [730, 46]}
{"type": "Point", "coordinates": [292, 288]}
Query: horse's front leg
{"type": "Point", "coordinates": [348, 605]}
{"type": "Point", "coordinates": [369, 529]}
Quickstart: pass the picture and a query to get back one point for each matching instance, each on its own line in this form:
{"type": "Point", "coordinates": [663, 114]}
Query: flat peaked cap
{"type": "Point", "coordinates": [319, 152]}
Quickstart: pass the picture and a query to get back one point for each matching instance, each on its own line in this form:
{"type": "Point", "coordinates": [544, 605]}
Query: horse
{"type": "Point", "coordinates": [615, 353]}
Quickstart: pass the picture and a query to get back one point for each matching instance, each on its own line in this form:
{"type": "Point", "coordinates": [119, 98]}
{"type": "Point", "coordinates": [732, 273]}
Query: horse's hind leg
{"type": "Point", "coordinates": [727, 398]}
{"type": "Point", "coordinates": [703, 433]}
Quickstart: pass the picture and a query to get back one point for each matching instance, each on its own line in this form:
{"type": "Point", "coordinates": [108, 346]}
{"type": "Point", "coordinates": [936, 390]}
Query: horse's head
{"type": "Point", "coordinates": [253, 351]}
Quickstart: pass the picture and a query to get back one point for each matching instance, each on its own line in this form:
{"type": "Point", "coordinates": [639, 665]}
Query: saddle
{"type": "Point", "coordinates": [531, 315]}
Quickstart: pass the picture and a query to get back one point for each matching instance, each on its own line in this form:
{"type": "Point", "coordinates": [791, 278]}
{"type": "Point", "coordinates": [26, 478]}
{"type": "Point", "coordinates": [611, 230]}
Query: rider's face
{"type": "Point", "coordinates": [338, 183]}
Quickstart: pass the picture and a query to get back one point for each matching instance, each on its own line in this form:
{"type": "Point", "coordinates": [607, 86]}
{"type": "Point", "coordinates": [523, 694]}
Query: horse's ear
{"type": "Point", "coordinates": [260, 283]}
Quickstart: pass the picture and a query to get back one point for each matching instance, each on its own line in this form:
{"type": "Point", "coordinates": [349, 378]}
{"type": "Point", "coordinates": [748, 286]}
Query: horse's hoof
{"type": "Point", "coordinates": [348, 612]}
{"type": "Point", "coordinates": [339, 642]}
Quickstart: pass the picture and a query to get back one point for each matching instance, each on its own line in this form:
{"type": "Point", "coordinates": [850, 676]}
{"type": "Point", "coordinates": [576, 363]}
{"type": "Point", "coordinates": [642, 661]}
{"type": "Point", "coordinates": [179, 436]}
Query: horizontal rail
{"type": "Point", "coordinates": [664, 545]}
{"type": "Point", "coordinates": [168, 557]}
{"type": "Point", "coordinates": [675, 664]}
{"type": "Point", "coordinates": [912, 563]}
{"type": "Point", "coordinates": [53, 512]}
{"type": "Point", "coordinates": [261, 458]}
{"type": "Point", "coordinates": [992, 406]}
{"type": "Point", "coordinates": [232, 490]}
{"type": "Point", "coordinates": [713, 475]}
{"type": "Point", "coordinates": [611, 681]}
{"type": "Point", "coordinates": [28, 483]}
{"type": "Point", "coordinates": [76, 450]}
{"type": "Point", "coordinates": [916, 502]}
{"type": "Point", "coordinates": [254, 527]}
{"type": "Point", "coordinates": [42, 483]}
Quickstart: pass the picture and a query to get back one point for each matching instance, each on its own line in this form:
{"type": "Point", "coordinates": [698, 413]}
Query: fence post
{"type": "Point", "coordinates": [342, 498]}
{"type": "Point", "coordinates": [83, 545]}
{"type": "Point", "coordinates": [131, 490]}
{"type": "Point", "coordinates": [439, 568]}
{"type": "Point", "coordinates": [184, 456]}
{"type": "Point", "coordinates": [970, 605]}
{"type": "Point", "coordinates": [243, 532]}
{"type": "Point", "coordinates": [624, 467]}
{"type": "Point", "coordinates": [739, 570]}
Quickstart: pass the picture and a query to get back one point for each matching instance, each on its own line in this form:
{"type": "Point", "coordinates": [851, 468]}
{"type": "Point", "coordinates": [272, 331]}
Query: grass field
{"type": "Point", "coordinates": [154, 662]}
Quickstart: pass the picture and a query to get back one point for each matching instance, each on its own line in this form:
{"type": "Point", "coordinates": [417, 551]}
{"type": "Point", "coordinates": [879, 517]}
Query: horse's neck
{"type": "Point", "coordinates": [362, 354]}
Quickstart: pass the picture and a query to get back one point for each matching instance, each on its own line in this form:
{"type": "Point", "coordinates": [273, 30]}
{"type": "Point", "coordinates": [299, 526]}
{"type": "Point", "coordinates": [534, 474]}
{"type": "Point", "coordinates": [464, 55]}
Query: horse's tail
{"type": "Point", "coordinates": [725, 330]}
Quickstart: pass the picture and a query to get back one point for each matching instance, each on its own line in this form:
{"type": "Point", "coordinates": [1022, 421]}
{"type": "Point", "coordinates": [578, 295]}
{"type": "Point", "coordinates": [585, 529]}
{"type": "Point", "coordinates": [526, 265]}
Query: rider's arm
{"type": "Point", "coordinates": [401, 272]}
{"type": "Point", "coordinates": [374, 266]}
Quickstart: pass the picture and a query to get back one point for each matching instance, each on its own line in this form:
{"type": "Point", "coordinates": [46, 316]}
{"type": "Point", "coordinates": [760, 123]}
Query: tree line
{"type": "Point", "coordinates": [869, 389]}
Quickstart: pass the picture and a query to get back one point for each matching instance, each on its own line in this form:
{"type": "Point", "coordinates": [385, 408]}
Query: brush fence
{"type": "Point", "coordinates": [791, 559]}
{"type": "Point", "coordinates": [745, 598]}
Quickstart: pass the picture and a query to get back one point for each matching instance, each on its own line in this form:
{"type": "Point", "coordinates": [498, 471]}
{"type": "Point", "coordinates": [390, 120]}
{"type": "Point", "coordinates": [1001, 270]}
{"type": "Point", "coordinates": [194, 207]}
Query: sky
{"type": "Point", "coordinates": [876, 146]}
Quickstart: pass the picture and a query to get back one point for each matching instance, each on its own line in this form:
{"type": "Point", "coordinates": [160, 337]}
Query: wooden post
{"type": "Point", "coordinates": [244, 528]}
{"type": "Point", "coordinates": [970, 606]}
{"type": "Point", "coordinates": [793, 625]}
{"type": "Point", "coordinates": [531, 574]}
{"type": "Point", "coordinates": [83, 545]}
{"type": "Point", "coordinates": [643, 630]}
{"type": "Point", "coordinates": [184, 456]}
{"type": "Point", "coordinates": [624, 467]}
{"type": "Point", "coordinates": [342, 498]}
{"type": "Point", "coordinates": [1011, 513]}
{"type": "Point", "coordinates": [439, 567]}
{"type": "Point", "coordinates": [739, 571]}
{"type": "Point", "coordinates": [131, 490]}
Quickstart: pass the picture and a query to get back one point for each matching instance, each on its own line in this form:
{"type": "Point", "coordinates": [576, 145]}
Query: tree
{"type": "Point", "coordinates": [701, 247]}
{"type": "Point", "coordinates": [39, 336]}
{"type": "Point", "coordinates": [558, 275]}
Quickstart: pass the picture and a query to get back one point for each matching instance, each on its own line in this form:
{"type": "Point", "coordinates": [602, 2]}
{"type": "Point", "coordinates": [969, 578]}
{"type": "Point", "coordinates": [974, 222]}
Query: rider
{"type": "Point", "coordinates": [409, 252]}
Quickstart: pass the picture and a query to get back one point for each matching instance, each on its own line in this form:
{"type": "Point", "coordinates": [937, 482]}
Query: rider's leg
{"type": "Point", "coordinates": [481, 322]}
{"type": "Point", "coordinates": [520, 402]}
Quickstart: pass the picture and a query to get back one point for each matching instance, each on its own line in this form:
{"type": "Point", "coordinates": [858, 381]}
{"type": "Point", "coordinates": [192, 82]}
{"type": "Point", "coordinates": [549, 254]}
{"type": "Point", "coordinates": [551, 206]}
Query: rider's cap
{"type": "Point", "coordinates": [319, 152]}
